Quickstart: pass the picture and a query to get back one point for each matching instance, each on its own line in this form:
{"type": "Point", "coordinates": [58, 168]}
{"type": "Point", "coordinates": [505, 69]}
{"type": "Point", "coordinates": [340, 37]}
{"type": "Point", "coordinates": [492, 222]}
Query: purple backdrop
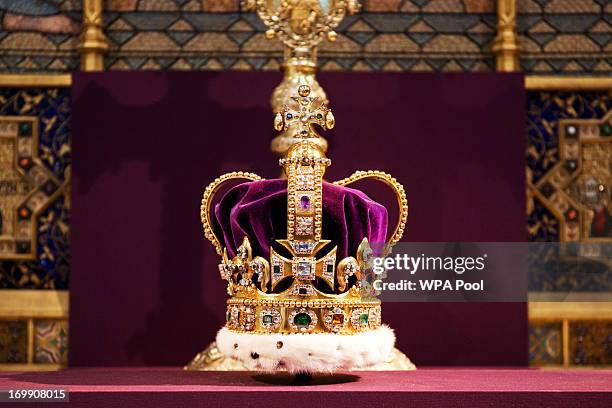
{"type": "Point", "coordinates": [144, 285]}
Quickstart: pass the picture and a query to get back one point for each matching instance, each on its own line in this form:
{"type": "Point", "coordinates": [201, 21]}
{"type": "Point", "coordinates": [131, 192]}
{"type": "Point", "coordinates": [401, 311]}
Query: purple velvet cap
{"type": "Point", "coordinates": [258, 210]}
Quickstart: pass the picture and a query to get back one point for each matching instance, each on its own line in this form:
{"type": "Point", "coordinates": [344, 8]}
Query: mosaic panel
{"type": "Point", "coordinates": [568, 196]}
{"type": "Point", "coordinates": [545, 111]}
{"type": "Point", "coordinates": [51, 342]}
{"type": "Point", "coordinates": [50, 268]}
{"type": "Point", "coordinates": [591, 342]}
{"type": "Point", "coordinates": [394, 36]}
{"type": "Point", "coordinates": [13, 342]}
{"type": "Point", "coordinates": [566, 37]}
{"type": "Point", "coordinates": [39, 35]}
{"type": "Point", "coordinates": [26, 186]}
{"type": "Point", "coordinates": [545, 343]}
{"type": "Point", "coordinates": [557, 36]}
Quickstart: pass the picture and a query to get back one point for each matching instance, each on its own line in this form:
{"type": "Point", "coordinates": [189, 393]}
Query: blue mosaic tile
{"type": "Point", "coordinates": [542, 38]}
{"type": "Point", "coordinates": [455, 23]}
{"type": "Point", "coordinates": [196, 62]}
{"type": "Point", "coordinates": [30, 7]}
{"type": "Point", "coordinates": [150, 21]}
{"type": "Point", "coordinates": [420, 38]}
{"type": "Point", "coordinates": [213, 22]}
{"type": "Point", "coordinates": [360, 37]}
{"type": "Point", "coordinates": [135, 62]}
{"type": "Point", "coordinates": [573, 23]}
{"type": "Point", "coordinates": [253, 19]}
{"type": "Point", "coordinates": [240, 37]}
{"type": "Point", "coordinates": [601, 39]}
{"type": "Point", "coordinates": [390, 23]}
{"type": "Point", "coordinates": [120, 37]}
{"type": "Point", "coordinates": [181, 37]}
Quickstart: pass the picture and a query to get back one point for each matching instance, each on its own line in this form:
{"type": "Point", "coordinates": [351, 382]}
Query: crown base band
{"type": "Point", "coordinates": [339, 318]}
{"type": "Point", "coordinates": [314, 353]}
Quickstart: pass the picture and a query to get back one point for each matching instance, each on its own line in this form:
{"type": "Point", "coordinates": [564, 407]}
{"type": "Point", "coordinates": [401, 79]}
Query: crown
{"type": "Point", "coordinates": [299, 286]}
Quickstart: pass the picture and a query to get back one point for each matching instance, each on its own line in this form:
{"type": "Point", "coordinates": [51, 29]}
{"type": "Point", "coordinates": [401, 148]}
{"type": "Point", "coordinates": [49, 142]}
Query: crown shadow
{"type": "Point", "coordinates": [305, 380]}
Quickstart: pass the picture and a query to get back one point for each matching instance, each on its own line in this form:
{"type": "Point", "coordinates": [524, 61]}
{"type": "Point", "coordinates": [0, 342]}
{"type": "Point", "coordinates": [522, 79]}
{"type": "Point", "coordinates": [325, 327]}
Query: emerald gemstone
{"type": "Point", "coordinates": [302, 319]}
{"type": "Point", "coordinates": [228, 316]}
{"type": "Point", "coordinates": [276, 269]}
{"type": "Point", "coordinates": [363, 318]}
{"type": "Point", "coordinates": [606, 129]}
{"type": "Point", "coordinates": [329, 268]}
{"type": "Point", "coordinates": [267, 319]}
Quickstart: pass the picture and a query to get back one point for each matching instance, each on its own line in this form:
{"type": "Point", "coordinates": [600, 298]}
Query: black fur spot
{"type": "Point", "coordinates": [254, 356]}
{"type": "Point", "coordinates": [235, 345]}
{"type": "Point", "coordinates": [279, 344]}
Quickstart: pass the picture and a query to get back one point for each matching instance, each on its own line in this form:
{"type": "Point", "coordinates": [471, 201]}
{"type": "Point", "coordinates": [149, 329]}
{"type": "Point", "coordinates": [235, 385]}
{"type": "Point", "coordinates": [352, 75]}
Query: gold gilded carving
{"type": "Point", "coordinates": [580, 184]}
{"type": "Point", "coordinates": [505, 45]}
{"type": "Point", "coordinates": [300, 25]}
{"type": "Point", "coordinates": [93, 42]}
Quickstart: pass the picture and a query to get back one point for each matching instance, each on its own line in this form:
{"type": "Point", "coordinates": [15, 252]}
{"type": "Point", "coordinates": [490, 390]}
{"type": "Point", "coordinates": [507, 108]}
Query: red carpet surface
{"type": "Point", "coordinates": [98, 387]}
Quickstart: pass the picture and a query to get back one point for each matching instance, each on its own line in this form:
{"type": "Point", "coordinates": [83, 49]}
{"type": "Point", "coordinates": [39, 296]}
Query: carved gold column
{"type": "Point", "coordinates": [301, 25]}
{"type": "Point", "coordinates": [505, 45]}
{"type": "Point", "coordinates": [93, 42]}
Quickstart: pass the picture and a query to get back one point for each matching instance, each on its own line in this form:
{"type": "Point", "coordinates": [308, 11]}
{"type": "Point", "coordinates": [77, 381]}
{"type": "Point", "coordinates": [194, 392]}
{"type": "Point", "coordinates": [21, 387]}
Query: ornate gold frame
{"type": "Point", "coordinates": [559, 83]}
{"type": "Point", "coordinates": [35, 80]}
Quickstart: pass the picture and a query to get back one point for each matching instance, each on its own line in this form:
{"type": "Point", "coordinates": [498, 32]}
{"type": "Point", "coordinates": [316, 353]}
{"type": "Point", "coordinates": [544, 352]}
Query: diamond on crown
{"type": "Point", "coordinates": [304, 268]}
{"type": "Point", "coordinates": [302, 247]}
{"type": "Point", "coordinates": [303, 225]}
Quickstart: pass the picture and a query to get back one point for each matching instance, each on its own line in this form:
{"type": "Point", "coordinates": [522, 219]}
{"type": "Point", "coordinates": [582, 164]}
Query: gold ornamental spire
{"type": "Point", "coordinates": [93, 41]}
{"type": "Point", "coordinates": [301, 25]}
{"type": "Point", "coordinates": [505, 46]}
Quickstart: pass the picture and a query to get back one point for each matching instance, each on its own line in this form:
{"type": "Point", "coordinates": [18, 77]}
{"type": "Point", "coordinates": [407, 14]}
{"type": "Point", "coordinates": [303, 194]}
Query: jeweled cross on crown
{"type": "Point", "coordinates": [308, 113]}
{"type": "Point", "coordinates": [304, 166]}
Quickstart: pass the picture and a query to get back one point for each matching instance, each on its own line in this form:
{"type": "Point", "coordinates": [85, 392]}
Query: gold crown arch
{"type": "Point", "coordinates": [301, 25]}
